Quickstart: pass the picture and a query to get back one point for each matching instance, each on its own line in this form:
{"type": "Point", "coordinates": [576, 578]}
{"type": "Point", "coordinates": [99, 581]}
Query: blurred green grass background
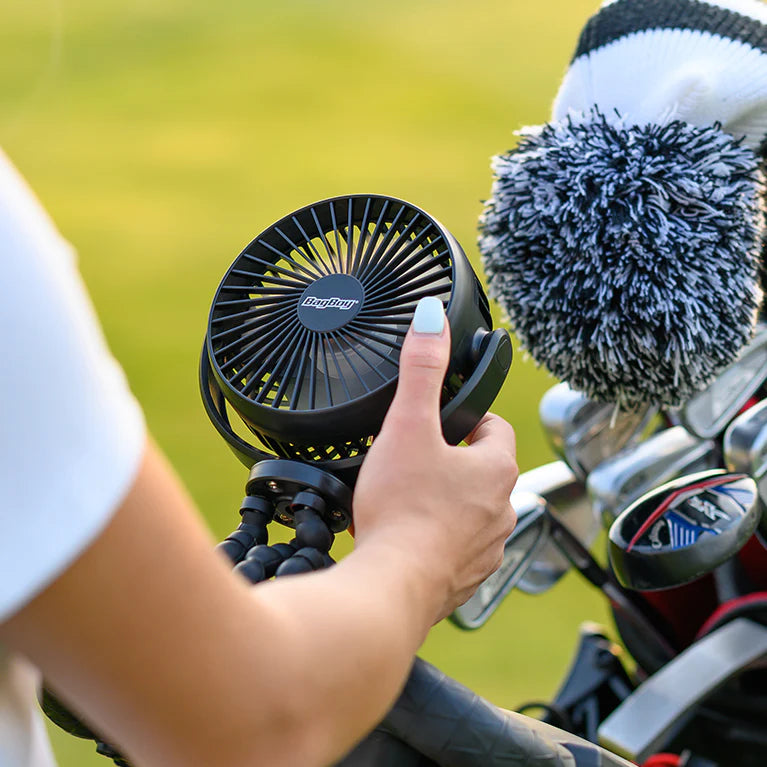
{"type": "Point", "coordinates": [163, 135]}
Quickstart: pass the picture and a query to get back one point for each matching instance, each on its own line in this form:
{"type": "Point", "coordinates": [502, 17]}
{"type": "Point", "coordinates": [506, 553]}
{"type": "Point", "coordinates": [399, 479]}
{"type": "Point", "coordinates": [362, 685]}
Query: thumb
{"type": "Point", "coordinates": [423, 363]}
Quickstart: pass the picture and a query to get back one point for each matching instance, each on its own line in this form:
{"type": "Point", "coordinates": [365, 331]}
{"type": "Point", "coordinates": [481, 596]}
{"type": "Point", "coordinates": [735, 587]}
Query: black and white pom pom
{"type": "Point", "coordinates": [627, 257]}
{"type": "Point", "coordinates": [624, 238]}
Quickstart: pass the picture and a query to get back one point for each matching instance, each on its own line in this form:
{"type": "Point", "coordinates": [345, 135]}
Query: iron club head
{"type": "Point", "coordinates": [584, 432]}
{"type": "Point", "coordinates": [745, 450]}
{"type": "Point", "coordinates": [533, 562]}
{"type": "Point", "coordinates": [619, 481]}
{"type": "Point", "coordinates": [563, 491]}
{"type": "Point", "coordinates": [522, 546]}
{"type": "Point", "coordinates": [707, 413]}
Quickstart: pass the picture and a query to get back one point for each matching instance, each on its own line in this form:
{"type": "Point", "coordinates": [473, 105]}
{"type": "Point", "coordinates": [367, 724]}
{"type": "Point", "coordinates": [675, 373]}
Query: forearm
{"type": "Point", "coordinates": [375, 609]}
{"type": "Point", "coordinates": [180, 662]}
{"type": "Point", "coordinates": [307, 665]}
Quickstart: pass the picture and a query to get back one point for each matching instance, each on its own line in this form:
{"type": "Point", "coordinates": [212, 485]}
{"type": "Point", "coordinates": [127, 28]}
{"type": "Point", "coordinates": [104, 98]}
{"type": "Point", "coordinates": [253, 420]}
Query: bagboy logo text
{"type": "Point", "coordinates": [329, 303]}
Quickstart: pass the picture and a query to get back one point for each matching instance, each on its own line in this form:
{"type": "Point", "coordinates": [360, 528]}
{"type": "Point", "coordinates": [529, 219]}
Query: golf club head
{"type": "Point", "coordinates": [745, 442]}
{"type": "Point", "coordinates": [683, 530]}
{"type": "Point", "coordinates": [528, 538]}
{"type": "Point", "coordinates": [532, 562]}
{"type": "Point", "coordinates": [707, 413]}
{"type": "Point", "coordinates": [619, 481]}
{"type": "Point", "coordinates": [648, 720]}
{"type": "Point", "coordinates": [745, 450]}
{"type": "Point", "coordinates": [584, 432]}
{"type": "Point", "coordinates": [566, 495]}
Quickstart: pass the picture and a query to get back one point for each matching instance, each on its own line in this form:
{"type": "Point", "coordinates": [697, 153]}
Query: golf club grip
{"type": "Point", "coordinates": [454, 727]}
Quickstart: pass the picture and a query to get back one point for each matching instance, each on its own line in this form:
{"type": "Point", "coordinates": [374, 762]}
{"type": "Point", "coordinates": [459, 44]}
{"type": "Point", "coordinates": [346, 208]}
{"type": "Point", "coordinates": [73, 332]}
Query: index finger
{"type": "Point", "coordinates": [494, 432]}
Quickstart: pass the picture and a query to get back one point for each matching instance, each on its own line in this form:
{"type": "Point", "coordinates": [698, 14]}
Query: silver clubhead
{"type": "Point", "coordinates": [532, 562]}
{"type": "Point", "coordinates": [566, 494]}
{"type": "Point", "coordinates": [522, 546]}
{"type": "Point", "coordinates": [745, 441]}
{"type": "Point", "coordinates": [708, 412]}
{"type": "Point", "coordinates": [584, 432]}
{"type": "Point", "coordinates": [745, 450]}
{"type": "Point", "coordinates": [619, 481]}
{"type": "Point", "coordinates": [647, 721]}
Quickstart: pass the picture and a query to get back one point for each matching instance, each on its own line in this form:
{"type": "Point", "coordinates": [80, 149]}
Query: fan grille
{"type": "Point", "coordinates": [261, 347]}
{"type": "Point", "coordinates": [317, 453]}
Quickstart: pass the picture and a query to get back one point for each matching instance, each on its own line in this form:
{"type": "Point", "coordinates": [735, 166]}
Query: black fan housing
{"type": "Point", "coordinates": [305, 330]}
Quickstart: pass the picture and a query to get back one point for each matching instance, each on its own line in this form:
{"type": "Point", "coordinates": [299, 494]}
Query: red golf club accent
{"type": "Point", "coordinates": [731, 606]}
{"type": "Point", "coordinates": [663, 760]}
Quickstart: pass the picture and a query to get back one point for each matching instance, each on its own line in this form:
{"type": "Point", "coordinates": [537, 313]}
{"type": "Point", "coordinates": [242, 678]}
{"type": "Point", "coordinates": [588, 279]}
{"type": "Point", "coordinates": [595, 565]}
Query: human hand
{"type": "Point", "coordinates": [445, 509]}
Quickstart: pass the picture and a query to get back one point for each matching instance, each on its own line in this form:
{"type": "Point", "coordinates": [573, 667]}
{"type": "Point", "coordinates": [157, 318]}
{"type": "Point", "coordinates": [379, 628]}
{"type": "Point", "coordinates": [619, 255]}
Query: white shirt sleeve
{"type": "Point", "coordinates": [71, 433]}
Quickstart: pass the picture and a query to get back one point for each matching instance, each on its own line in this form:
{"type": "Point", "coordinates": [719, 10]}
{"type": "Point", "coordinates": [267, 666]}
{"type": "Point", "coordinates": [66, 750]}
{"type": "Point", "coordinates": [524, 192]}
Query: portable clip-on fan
{"type": "Point", "coordinates": [303, 344]}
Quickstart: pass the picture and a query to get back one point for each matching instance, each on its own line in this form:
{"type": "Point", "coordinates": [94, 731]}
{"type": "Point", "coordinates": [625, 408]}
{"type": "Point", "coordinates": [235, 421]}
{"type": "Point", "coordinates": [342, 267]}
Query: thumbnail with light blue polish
{"type": "Point", "coordinates": [429, 316]}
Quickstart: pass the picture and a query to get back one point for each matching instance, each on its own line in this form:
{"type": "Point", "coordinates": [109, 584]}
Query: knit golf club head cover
{"type": "Point", "coordinates": [624, 238]}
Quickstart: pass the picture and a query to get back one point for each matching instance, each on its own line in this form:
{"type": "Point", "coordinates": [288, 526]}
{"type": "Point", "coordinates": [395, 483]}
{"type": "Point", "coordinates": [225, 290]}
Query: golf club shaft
{"type": "Point", "coordinates": [598, 576]}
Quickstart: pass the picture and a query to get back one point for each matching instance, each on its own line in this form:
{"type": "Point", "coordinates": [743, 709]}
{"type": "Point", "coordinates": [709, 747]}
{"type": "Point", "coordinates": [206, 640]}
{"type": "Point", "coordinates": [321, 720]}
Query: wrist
{"type": "Point", "coordinates": [411, 561]}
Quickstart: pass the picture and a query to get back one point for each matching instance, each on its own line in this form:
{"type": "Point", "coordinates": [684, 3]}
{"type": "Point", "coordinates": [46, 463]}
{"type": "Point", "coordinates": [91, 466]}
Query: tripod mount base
{"type": "Point", "coordinates": [281, 480]}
